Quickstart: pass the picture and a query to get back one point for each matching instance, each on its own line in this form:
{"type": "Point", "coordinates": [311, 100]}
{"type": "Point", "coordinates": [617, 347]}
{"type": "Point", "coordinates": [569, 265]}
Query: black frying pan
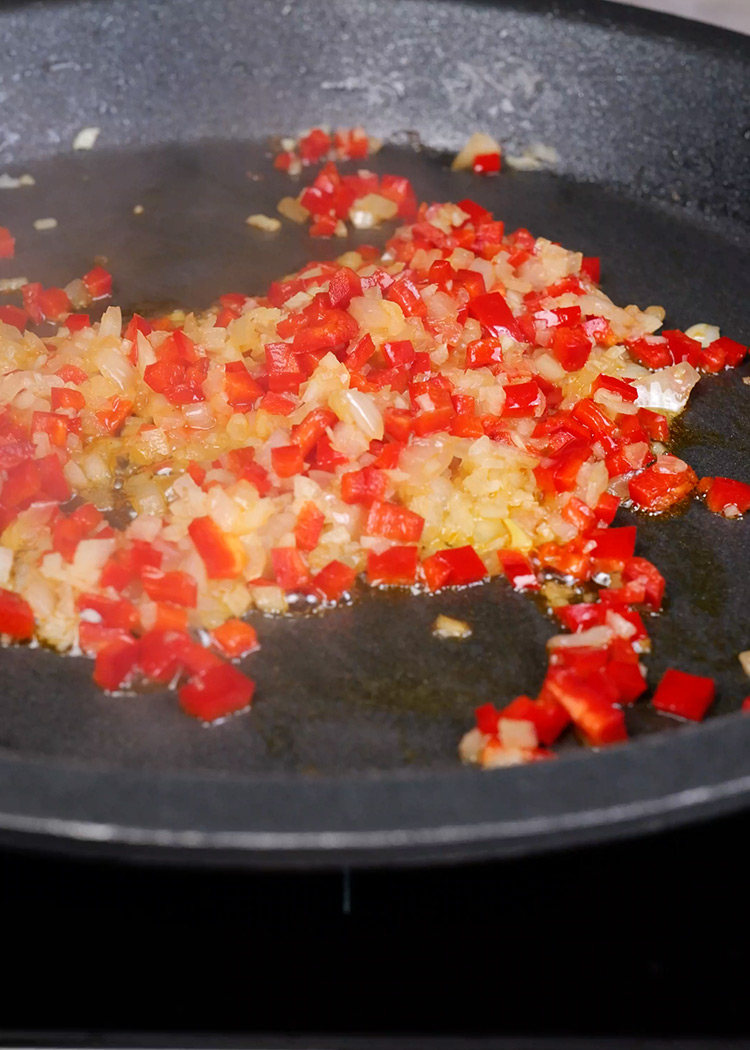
{"type": "Point", "coordinates": [350, 752]}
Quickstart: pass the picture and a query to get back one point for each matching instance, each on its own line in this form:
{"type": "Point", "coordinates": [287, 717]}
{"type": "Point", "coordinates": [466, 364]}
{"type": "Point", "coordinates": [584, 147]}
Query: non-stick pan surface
{"type": "Point", "coordinates": [350, 752]}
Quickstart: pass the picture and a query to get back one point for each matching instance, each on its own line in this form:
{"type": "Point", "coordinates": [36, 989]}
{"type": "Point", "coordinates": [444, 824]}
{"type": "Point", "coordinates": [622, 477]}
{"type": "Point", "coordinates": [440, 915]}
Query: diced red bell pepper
{"type": "Point", "coordinates": [216, 693]}
{"type": "Point", "coordinates": [117, 664]}
{"type": "Point", "coordinates": [642, 570]}
{"type": "Point", "coordinates": [222, 554]}
{"type": "Point", "coordinates": [657, 489]}
{"type": "Point", "coordinates": [395, 567]}
{"type": "Point", "coordinates": [7, 243]}
{"type": "Point", "coordinates": [287, 460]}
{"type": "Point", "coordinates": [16, 616]}
{"type": "Point", "coordinates": [523, 399]}
{"type": "Point", "coordinates": [571, 347]}
{"type": "Point", "coordinates": [177, 587]}
{"type": "Point", "coordinates": [51, 424]}
{"type": "Point", "coordinates": [725, 496]}
{"type": "Point", "coordinates": [456, 567]}
{"type": "Point", "coordinates": [126, 564]}
{"type": "Point", "coordinates": [549, 717]}
{"type": "Point", "coordinates": [31, 293]}
{"type": "Point", "coordinates": [734, 352]}
{"type": "Point", "coordinates": [114, 612]}
{"type": "Point", "coordinates": [486, 164]}
{"type": "Point", "coordinates": [650, 351]}
{"type": "Point", "coordinates": [165, 654]}
{"type": "Point", "coordinates": [581, 616]}
{"type": "Point", "coordinates": [114, 413]}
{"type": "Point", "coordinates": [484, 352]}
{"type": "Point", "coordinates": [334, 580]}
{"type": "Point", "coordinates": [590, 705]}
{"type": "Point", "coordinates": [613, 546]}
{"type": "Point", "coordinates": [235, 639]}
{"type": "Point", "coordinates": [15, 316]}
{"type": "Point", "coordinates": [276, 404]}
{"type": "Point", "coordinates": [344, 286]}
{"type": "Point", "coordinates": [284, 372]}
{"type": "Point", "coordinates": [363, 486]}
{"type": "Point", "coordinates": [308, 527]}
{"type": "Point", "coordinates": [591, 267]}
{"type": "Point", "coordinates": [22, 485]}
{"type": "Point", "coordinates": [615, 386]}
{"type": "Point", "coordinates": [405, 293]}
{"type": "Point", "coordinates": [628, 679]}
{"type": "Point", "coordinates": [241, 389]}
{"type": "Point", "coordinates": [307, 433]}
{"type": "Point", "coordinates": [290, 568]}
{"type": "Point", "coordinates": [64, 397]}
{"type": "Point", "coordinates": [519, 570]}
{"type": "Point", "coordinates": [569, 560]}
{"type": "Point", "coordinates": [394, 522]}
{"type": "Point", "coordinates": [713, 358]}
{"type": "Point", "coordinates": [654, 423]}
{"type": "Point", "coordinates": [432, 405]}
{"type": "Point", "coordinates": [98, 282]}
{"type": "Point", "coordinates": [53, 303]}
{"type": "Point", "coordinates": [685, 695]}
{"type": "Point", "coordinates": [397, 423]}
{"type": "Point", "coordinates": [93, 637]}
{"type": "Point", "coordinates": [358, 357]}
{"type": "Point", "coordinates": [495, 316]}
{"type": "Point", "coordinates": [682, 347]}
{"type": "Point", "coordinates": [72, 374]}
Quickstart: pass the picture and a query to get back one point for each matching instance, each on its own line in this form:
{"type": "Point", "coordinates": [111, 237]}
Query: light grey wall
{"type": "Point", "coordinates": [733, 14]}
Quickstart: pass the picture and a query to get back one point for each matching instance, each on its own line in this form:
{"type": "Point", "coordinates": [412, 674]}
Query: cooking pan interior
{"type": "Point", "coordinates": [368, 687]}
{"type": "Point", "coordinates": [652, 175]}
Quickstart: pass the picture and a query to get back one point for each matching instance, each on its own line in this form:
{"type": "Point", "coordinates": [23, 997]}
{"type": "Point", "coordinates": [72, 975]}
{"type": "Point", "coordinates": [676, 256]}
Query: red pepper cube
{"type": "Point", "coordinates": [591, 267]}
{"type": "Point", "coordinates": [523, 399]}
{"type": "Point", "coordinates": [654, 423]}
{"type": "Point", "coordinates": [98, 282]}
{"type": "Point", "coordinates": [217, 692]}
{"type": "Point", "coordinates": [486, 164]}
{"type": "Point", "coordinates": [15, 316]}
{"type": "Point", "coordinates": [363, 486]}
{"type": "Point", "coordinates": [628, 679]}
{"type": "Point", "coordinates": [287, 460]}
{"type": "Point", "coordinates": [654, 584]}
{"type": "Point", "coordinates": [495, 316]}
{"type": "Point", "coordinates": [307, 433]}
{"type": "Point", "coordinates": [235, 639]}
{"type": "Point", "coordinates": [615, 386]}
{"type": "Point", "coordinates": [590, 704]}
{"type": "Point", "coordinates": [117, 664]}
{"type": "Point", "coordinates": [334, 580]}
{"type": "Point", "coordinates": [685, 695]}
{"type": "Point", "coordinates": [7, 243]}
{"type": "Point", "coordinates": [344, 286]}
{"type": "Point", "coordinates": [222, 554]}
{"type": "Point", "coordinates": [683, 348]}
{"type": "Point", "coordinates": [395, 567]}
{"type": "Point", "coordinates": [53, 303]}
{"type": "Point", "coordinates": [519, 570]}
{"type": "Point", "coordinates": [656, 489]}
{"type": "Point", "coordinates": [615, 546]}
{"type": "Point", "coordinates": [16, 616]}
{"type": "Point", "coordinates": [734, 352]}
{"type": "Point", "coordinates": [241, 389]}
{"type": "Point", "coordinates": [487, 718]}
{"type": "Point", "coordinates": [176, 587]}
{"type": "Point", "coordinates": [290, 568]}
{"type": "Point", "coordinates": [727, 497]}
{"type": "Point", "coordinates": [548, 717]}
{"type": "Point", "coordinates": [651, 351]}
{"type": "Point", "coordinates": [393, 522]}
{"type": "Point", "coordinates": [310, 521]}
{"type": "Point", "coordinates": [463, 566]}
{"type": "Point", "coordinates": [571, 347]}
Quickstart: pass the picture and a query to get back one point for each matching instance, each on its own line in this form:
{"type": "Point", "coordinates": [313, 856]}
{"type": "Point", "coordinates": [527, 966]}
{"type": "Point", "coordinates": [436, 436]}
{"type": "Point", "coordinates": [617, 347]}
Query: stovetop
{"type": "Point", "coordinates": [642, 938]}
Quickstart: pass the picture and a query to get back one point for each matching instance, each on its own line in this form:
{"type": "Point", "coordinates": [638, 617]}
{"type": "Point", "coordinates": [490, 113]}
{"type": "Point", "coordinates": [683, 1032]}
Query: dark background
{"type": "Point", "coordinates": [642, 938]}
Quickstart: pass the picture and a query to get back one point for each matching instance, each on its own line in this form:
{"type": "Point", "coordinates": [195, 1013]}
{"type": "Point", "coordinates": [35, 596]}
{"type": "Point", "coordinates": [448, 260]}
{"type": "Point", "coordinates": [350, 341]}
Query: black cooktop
{"type": "Point", "coordinates": [639, 939]}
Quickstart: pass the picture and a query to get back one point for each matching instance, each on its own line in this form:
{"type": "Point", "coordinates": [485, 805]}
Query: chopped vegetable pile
{"type": "Point", "coordinates": [466, 403]}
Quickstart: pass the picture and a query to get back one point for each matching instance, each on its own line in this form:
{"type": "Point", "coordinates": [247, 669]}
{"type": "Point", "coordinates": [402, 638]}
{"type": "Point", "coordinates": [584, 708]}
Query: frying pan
{"type": "Point", "coordinates": [349, 755]}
